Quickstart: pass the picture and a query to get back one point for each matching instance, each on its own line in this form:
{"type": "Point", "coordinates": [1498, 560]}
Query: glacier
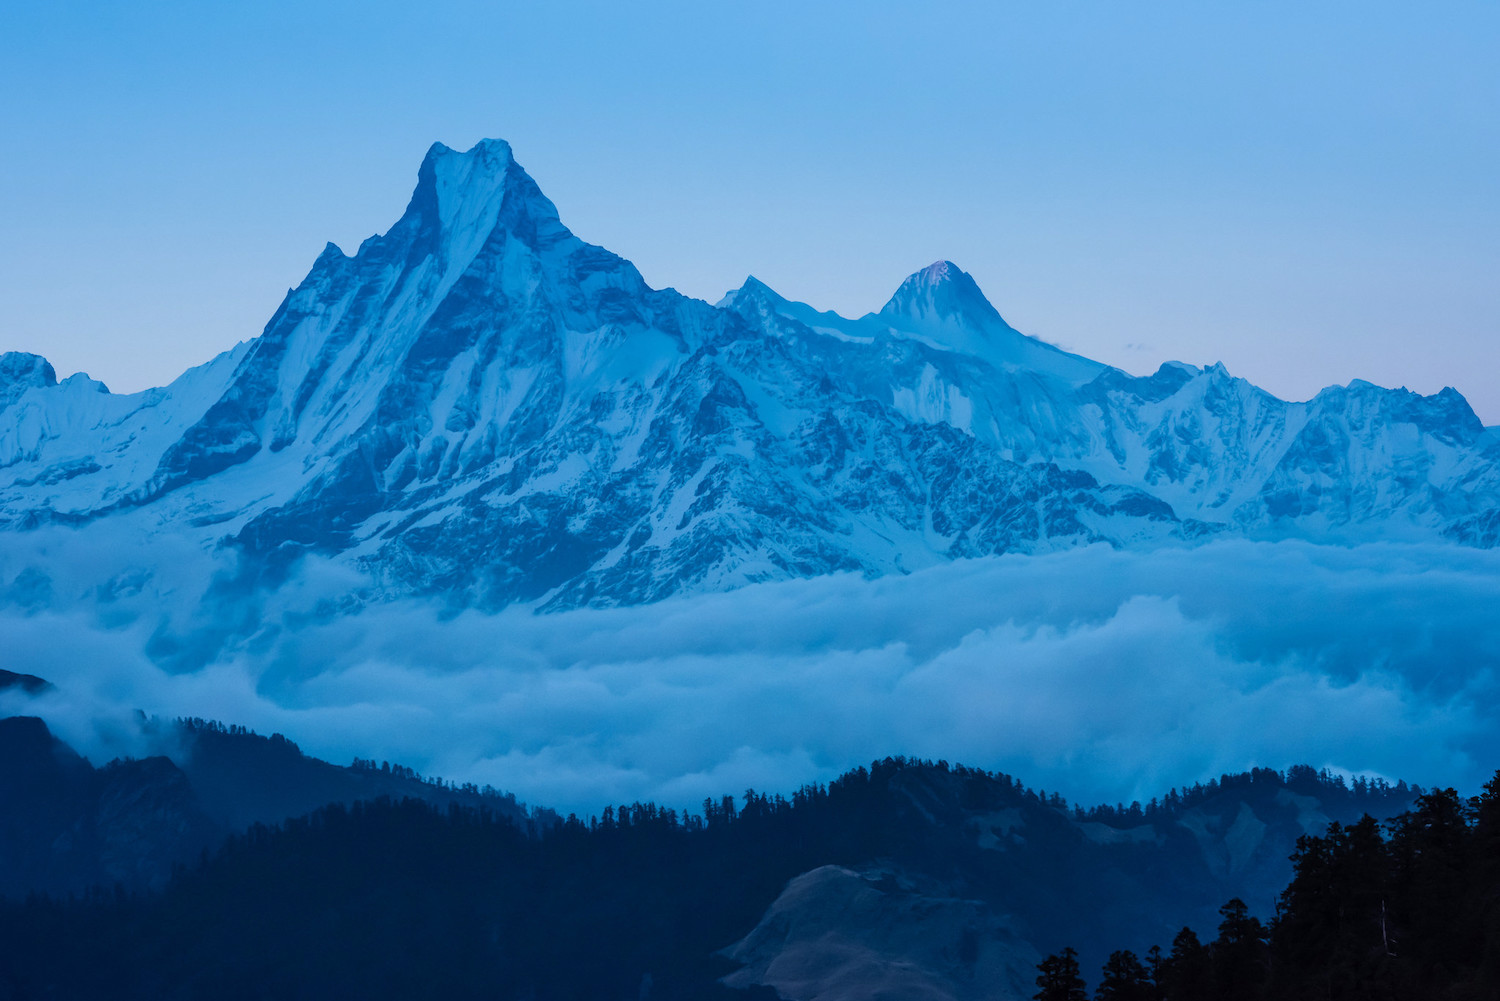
{"type": "Point", "coordinates": [479, 408]}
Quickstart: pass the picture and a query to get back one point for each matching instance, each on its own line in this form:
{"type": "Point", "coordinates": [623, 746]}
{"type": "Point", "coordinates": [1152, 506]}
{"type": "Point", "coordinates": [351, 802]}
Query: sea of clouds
{"type": "Point", "coordinates": [1103, 675]}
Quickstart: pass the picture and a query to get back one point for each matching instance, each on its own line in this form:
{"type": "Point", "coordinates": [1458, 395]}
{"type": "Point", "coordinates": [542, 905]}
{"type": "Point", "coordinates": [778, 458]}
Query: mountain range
{"type": "Point", "coordinates": [481, 407]}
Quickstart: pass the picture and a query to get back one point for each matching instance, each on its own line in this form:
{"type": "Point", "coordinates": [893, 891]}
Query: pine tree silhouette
{"type": "Point", "coordinates": [1058, 978]}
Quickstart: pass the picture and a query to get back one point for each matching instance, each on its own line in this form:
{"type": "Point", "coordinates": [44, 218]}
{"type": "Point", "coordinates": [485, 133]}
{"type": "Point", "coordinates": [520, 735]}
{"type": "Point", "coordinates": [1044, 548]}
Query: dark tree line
{"type": "Point", "coordinates": [1298, 778]}
{"type": "Point", "coordinates": [1405, 911]}
{"type": "Point", "coordinates": [402, 898]}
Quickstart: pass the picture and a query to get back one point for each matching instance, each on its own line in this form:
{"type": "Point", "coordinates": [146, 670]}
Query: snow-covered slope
{"type": "Point", "coordinates": [1354, 463]}
{"type": "Point", "coordinates": [480, 405]}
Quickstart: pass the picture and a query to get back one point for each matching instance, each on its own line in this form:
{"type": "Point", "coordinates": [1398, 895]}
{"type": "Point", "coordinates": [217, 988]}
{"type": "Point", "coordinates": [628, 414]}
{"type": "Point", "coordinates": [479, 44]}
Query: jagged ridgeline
{"type": "Point", "coordinates": [903, 879]}
{"type": "Point", "coordinates": [479, 405]}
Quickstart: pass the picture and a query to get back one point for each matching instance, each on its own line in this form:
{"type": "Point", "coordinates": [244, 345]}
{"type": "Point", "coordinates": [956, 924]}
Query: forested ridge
{"type": "Point", "coordinates": [1409, 909]}
{"type": "Point", "coordinates": [400, 898]}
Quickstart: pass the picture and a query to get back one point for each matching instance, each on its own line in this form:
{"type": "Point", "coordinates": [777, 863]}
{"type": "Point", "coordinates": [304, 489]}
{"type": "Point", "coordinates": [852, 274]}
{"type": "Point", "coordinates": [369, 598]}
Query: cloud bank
{"type": "Point", "coordinates": [1103, 675]}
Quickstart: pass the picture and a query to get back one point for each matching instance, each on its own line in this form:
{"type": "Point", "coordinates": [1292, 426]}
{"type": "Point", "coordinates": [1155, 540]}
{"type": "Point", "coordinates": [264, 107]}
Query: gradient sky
{"type": "Point", "coordinates": [1306, 192]}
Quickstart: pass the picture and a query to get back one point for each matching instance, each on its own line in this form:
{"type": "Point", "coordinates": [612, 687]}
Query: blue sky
{"type": "Point", "coordinates": [1305, 192]}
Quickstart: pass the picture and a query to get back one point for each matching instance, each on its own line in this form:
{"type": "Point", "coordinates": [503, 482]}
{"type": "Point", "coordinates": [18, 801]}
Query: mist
{"type": "Point", "coordinates": [1106, 676]}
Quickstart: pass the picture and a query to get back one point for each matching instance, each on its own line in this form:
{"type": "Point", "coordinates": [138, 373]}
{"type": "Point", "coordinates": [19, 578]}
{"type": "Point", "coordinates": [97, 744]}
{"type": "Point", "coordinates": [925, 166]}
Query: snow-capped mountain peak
{"type": "Point", "coordinates": [461, 199]}
{"type": "Point", "coordinates": [481, 405]}
{"type": "Point", "coordinates": [943, 306]}
{"type": "Point", "coordinates": [460, 194]}
{"type": "Point", "coordinates": [752, 291]}
{"type": "Point", "coordinates": [942, 294]}
{"type": "Point", "coordinates": [20, 371]}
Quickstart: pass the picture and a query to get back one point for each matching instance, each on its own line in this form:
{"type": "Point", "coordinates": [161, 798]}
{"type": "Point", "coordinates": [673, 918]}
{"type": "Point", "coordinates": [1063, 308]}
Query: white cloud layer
{"type": "Point", "coordinates": [1103, 675]}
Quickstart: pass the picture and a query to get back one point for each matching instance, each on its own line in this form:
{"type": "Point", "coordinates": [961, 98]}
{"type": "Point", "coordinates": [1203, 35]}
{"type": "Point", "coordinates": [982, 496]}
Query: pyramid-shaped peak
{"type": "Point", "coordinates": [486, 152]}
{"type": "Point", "coordinates": [754, 284]}
{"type": "Point", "coordinates": [757, 289]}
{"type": "Point", "coordinates": [941, 291]}
{"type": "Point", "coordinates": [753, 290]}
{"type": "Point", "coordinates": [459, 195]}
{"type": "Point", "coordinates": [448, 175]}
{"type": "Point", "coordinates": [940, 273]}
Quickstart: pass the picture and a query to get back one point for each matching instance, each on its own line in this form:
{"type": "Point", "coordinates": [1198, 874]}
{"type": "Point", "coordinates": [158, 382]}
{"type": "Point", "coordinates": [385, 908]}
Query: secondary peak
{"type": "Point", "coordinates": [940, 291]}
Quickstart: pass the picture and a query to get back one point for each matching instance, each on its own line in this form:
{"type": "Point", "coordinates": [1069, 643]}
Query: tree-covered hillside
{"type": "Point", "coordinates": [1406, 911]}
{"type": "Point", "coordinates": [408, 898]}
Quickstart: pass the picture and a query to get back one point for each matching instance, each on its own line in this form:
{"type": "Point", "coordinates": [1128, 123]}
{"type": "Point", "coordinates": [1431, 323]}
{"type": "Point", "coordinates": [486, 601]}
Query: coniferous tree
{"type": "Point", "coordinates": [1334, 917]}
{"type": "Point", "coordinates": [1406, 914]}
{"type": "Point", "coordinates": [1156, 965]}
{"type": "Point", "coordinates": [1429, 848]}
{"type": "Point", "coordinates": [1187, 972]}
{"type": "Point", "coordinates": [1124, 978]}
{"type": "Point", "coordinates": [1239, 953]}
{"type": "Point", "coordinates": [1485, 912]}
{"type": "Point", "coordinates": [1058, 978]}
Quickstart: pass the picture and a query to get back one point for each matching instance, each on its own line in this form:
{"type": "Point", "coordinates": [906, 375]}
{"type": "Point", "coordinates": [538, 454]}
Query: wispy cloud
{"type": "Point", "coordinates": [1103, 675]}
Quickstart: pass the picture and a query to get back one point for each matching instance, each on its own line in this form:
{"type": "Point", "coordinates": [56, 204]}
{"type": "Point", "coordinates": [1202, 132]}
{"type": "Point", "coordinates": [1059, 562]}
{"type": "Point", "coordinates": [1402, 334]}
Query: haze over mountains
{"type": "Point", "coordinates": [479, 413]}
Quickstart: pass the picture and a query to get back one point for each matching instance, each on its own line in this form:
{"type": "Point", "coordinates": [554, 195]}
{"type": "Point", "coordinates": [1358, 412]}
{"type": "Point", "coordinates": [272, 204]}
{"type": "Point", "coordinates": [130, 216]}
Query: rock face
{"type": "Point", "coordinates": [835, 933]}
{"type": "Point", "coordinates": [481, 406]}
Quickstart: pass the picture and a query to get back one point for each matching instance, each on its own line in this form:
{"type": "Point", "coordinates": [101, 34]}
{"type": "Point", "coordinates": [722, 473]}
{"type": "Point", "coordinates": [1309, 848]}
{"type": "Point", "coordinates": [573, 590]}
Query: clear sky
{"type": "Point", "coordinates": [1309, 193]}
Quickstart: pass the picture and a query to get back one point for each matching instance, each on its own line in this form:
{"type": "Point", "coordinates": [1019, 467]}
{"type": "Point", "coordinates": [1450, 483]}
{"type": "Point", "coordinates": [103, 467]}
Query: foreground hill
{"type": "Point", "coordinates": [481, 406]}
